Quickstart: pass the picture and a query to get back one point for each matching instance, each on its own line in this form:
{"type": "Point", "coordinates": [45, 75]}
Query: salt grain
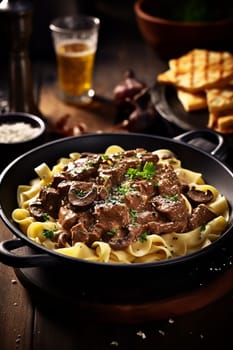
{"type": "Point", "coordinates": [17, 132]}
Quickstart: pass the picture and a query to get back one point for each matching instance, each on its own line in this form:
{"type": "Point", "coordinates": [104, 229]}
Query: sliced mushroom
{"type": "Point", "coordinates": [82, 193]}
{"type": "Point", "coordinates": [37, 211]}
{"type": "Point", "coordinates": [199, 196]}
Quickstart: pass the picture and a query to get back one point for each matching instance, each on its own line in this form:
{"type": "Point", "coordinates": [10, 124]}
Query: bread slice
{"type": "Point", "coordinates": [199, 70]}
{"type": "Point", "coordinates": [192, 101]}
{"type": "Point", "coordinates": [220, 100]}
{"type": "Point", "coordinates": [223, 123]}
{"type": "Point", "coordinates": [198, 58]}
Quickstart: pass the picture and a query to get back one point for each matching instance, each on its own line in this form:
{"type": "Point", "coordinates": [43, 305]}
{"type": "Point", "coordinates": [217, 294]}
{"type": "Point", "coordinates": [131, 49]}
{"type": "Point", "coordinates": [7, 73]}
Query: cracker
{"type": "Point", "coordinates": [223, 123]}
{"type": "Point", "coordinates": [191, 101]}
{"type": "Point", "coordinates": [199, 70]}
{"type": "Point", "coordinates": [220, 99]}
{"type": "Point", "coordinates": [198, 58]}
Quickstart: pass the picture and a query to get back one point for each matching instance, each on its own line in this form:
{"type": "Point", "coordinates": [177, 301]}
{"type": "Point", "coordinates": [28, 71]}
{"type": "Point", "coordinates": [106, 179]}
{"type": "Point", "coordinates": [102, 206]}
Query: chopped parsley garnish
{"type": "Point", "coordinates": [123, 189]}
{"type": "Point", "coordinates": [105, 157]}
{"type": "Point", "coordinates": [112, 233]}
{"type": "Point", "coordinates": [48, 233]}
{"type": "Point", "coordinates": [45, 216]}
{"type": "Point", "coordinates": [113, 199]}
{"type": "Point", "coordinates": [80, 193]}
{"type": "Point", "coordinates": [172, 198]}
{"type": "Point", "coordinates": [133, 214]}
{"type": "Point", "coordinates": [146, 173]}
{"type": "Point", "coordinates": [91, 163]}
{"type": "Point", "coordinates": [143, 237]}
{"type": "Point", "coordinates": [202, 228]}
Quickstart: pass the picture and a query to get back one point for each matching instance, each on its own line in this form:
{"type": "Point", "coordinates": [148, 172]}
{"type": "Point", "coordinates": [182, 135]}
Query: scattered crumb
{"type": "Point", "coordinates": [15, 304]}
{"type": "Point", "coordinates": [171, 320]}
{"type": "Point", "coordinates": [201, 336]}
{"type": "Point", "coordinates": [18, 338]}
{"type": "Point", "coordinates": [114, 343]}
{"type": "Point", "coordinates": [141, 334]}
{"type": "Point", "coordinates": [13, 281]}
{"type": "Point", "coordinates": [161, 332]}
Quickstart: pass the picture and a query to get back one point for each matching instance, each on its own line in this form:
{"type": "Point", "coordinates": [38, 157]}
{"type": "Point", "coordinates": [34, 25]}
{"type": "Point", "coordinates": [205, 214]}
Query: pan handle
{"type": "Point", "coordinates": [207, 140]}
{"type": "Point", "coordinates": [14, 260]}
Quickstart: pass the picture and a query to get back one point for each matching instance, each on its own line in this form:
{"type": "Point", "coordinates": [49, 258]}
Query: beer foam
{"type": "Point", "coordinates": [75, 48]}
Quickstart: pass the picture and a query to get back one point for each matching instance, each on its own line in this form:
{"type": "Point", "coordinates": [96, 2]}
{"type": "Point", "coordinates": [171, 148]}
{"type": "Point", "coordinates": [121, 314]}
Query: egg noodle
{"type": "Point", "coordinates": [153, 247]}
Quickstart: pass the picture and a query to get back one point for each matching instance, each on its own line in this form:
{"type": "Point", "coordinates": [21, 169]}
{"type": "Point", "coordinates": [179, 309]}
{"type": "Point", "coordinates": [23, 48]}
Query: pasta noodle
{"type": "Point", "coordinates": [159, 210]}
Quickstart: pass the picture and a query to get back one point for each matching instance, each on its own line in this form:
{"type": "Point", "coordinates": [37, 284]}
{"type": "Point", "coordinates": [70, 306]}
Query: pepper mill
{"type": "Point", "coordinates": [16, 16]}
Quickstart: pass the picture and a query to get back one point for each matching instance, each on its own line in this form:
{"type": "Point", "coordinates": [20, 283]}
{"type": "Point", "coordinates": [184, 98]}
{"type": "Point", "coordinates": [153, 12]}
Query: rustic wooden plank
{"type": "Point", "coordinates": [112, 61]}
{"type": "Point", "coordinates": [98, 116]}
{"type": "Point", "coordinates": [16, 311]}
{"type": "Point", "coordinates": [202, 329]}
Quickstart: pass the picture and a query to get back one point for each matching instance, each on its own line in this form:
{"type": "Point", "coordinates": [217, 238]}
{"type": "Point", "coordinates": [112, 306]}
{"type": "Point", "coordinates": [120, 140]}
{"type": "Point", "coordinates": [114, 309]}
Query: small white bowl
{"type": "Point", "coordinates": [19, 133]}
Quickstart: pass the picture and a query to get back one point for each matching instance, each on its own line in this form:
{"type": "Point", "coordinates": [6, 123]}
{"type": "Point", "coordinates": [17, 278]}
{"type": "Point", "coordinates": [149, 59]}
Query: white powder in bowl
{"type": "Point", "coordinates": [17, 132]}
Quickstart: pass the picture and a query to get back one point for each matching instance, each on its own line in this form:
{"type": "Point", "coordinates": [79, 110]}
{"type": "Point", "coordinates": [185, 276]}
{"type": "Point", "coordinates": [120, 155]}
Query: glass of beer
{"type": "Point", "coordinates": [75, 41]}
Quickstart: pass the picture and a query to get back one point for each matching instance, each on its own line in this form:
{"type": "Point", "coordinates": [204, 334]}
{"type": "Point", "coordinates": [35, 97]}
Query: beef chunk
{"type": "Point", "coordinates": [168, 182]}
{"type": "Point", "coordinates": [67, 217]}
{"type": "Point", "coordinates": [51, 200]}
{"type": "Point", "coordinates": [173, 207]}
{"type": "Point", "coordinates": [112, 215]}
{"type": "Point", "coordinates": [201, 215]}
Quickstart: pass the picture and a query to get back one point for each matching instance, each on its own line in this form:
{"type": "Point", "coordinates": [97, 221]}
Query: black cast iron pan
{"type": "Point", "coordinates": [121, 281]}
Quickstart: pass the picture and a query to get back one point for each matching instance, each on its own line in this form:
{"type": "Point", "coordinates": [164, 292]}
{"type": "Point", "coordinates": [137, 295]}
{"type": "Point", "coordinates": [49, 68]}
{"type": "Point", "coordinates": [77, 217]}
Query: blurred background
{"type": "Point", "coordinates": [118, 25]}
{"type": "Point", "coordinates": [115, 12]}
{"type": "Point", "coordinates": [117, 20]}
{"type": "Point", "coordinates": [115, 15]}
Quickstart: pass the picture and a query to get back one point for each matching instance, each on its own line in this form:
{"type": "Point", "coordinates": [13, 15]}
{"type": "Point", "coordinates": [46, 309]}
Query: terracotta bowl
{"type": "Point", "coordinates": [171, 39]}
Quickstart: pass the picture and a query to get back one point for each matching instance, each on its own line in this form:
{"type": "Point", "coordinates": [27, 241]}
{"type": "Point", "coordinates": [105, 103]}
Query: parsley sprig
{"type": "Point", "coordinates": [112, 233]}
{"type": "Point", "coordinates": [143, 237]}
{"type": "Point", "coordinates": [172, 198]}
{"type": "Point", "coordinates": [123, 189]}
{"type": "Point", "coordinates": [146, 173]}
{"type": "Point", "coordinates": [48, 233]}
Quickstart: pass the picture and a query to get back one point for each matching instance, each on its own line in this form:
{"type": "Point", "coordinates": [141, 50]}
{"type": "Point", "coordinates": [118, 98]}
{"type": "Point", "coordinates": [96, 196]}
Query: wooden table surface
{"type": "Point", "coordinates": [26, 325]}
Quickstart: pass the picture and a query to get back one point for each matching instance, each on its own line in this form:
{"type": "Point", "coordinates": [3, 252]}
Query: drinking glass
{"type": "Point", "coordinates": [75, 41]}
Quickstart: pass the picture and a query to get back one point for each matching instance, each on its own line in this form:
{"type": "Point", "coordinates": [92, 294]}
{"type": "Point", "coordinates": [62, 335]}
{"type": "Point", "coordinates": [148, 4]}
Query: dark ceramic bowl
{"type": "Point", "coordinates": [171, 38]}
{"type": "Point", "coordinates": [21, 132]}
